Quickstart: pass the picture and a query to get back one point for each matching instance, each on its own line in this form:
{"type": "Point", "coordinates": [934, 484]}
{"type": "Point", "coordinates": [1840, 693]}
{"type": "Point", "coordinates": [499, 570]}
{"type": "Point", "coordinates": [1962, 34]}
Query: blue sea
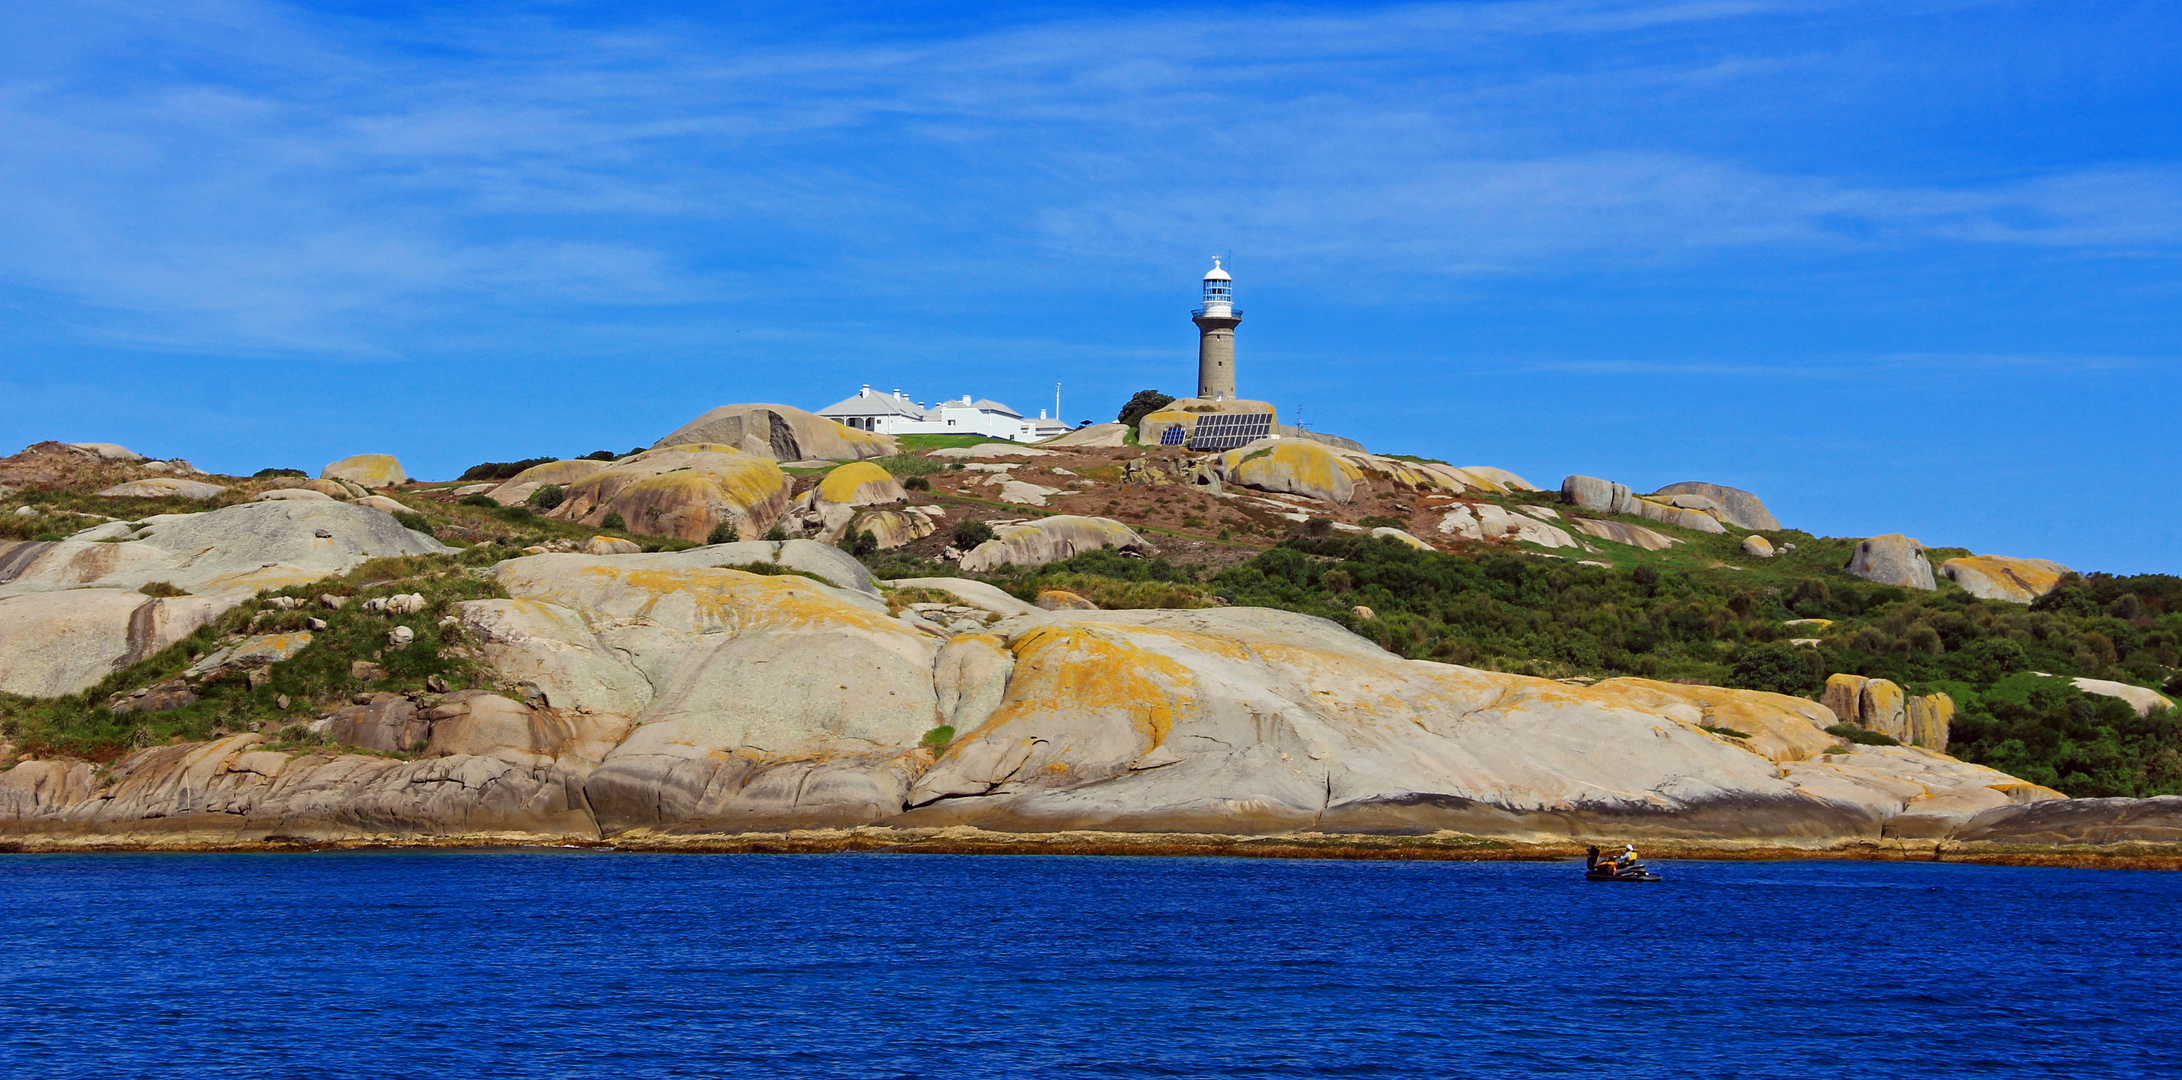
{"type": "Point", "coordinates": [601, 964]}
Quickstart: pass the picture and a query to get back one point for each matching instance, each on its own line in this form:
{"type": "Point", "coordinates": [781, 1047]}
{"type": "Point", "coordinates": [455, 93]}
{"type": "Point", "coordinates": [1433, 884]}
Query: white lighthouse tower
{"type": "Point", "coordinates": [1216, 322]}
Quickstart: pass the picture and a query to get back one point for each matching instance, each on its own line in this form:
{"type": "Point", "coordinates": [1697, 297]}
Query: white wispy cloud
{"type": "Point", "coordinates": [284, 180]}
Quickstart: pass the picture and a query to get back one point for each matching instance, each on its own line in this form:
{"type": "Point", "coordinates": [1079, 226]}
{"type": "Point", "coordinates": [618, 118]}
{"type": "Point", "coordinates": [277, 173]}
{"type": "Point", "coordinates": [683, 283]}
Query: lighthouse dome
{"type": "Point", "coordinates": [1217, 274]}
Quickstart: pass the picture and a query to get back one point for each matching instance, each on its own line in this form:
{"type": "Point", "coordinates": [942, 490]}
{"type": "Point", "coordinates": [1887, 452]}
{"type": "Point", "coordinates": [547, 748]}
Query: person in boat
{"type": "Point", "coordinates": [1591, 860]}
{"type": "Point", "coordinates": [1627, 858]}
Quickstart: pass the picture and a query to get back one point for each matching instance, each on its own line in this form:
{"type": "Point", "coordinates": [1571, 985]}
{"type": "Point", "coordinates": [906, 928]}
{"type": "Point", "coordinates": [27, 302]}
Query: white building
{"type": "Point", "coordinates": [894, 414]}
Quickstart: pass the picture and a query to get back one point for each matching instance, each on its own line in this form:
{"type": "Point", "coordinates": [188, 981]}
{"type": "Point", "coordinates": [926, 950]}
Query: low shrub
{"type": "Point", "coordinates": [860, 543]}
{"type": "Point", "coordinates": [613, 521]}
{"type": "Point", "coordinates": [938, 738]}
{"type": "Point", "coordinates": [910, 465]}
{"type": "Point", "coordinates": [267, 474]}
{"type": "Point", "coordinates": [160, 588]}
{"type": "Point", "coordinates": [481, 501]}
{"type": "Point", "coordinates": [777, 533]}
{"type": "Point", "coordinates": [969, 533]}
{"type": "Point", "coordinates": [548, 497]}
{"type": "Point", "coordinates": [724, 533]}
{"type": "Point", "coordinates": [413, 521]}
{"type": "Point", "coordinates": [1861, 736]}
{"type": "Point", "coordinates": [502, 470]}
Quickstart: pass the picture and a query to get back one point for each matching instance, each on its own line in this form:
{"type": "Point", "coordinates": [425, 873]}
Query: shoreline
{"type": "Point", "coordinates": [1443, 847]}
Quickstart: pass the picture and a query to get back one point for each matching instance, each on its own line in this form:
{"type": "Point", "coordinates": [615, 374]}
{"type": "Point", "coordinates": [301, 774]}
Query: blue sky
{"type": "Point", "coordinates": [1895, 266]}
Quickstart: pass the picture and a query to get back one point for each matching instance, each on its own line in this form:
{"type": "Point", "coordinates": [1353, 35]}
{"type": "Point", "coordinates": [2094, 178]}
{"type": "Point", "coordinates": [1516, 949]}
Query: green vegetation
{"type": "Point", "coordinates": [548, 497]}
{"type": "Point", "coordinates": [911, 465]}
{"type": "Point", "coordinates": [1861, 736]}
{"type": "Point", "coordinates": [161, 588]}
{"type": "Point", "coordinates": [318, 677]}
{"type": "Point", "coordinates": [937, 739]}
{"type": "Point", "coordinates": [485, 502]}
{"type": "Point", "coordinates": [502, 470]}
{"type": "Point", "coordinates": [267, 474]}
{"type": "Point", "coordinates": [969, 533]}
{"type": "Point", "coordinates": [725, 532]}
{"type": "Point", "coordinates": [613, 522]}
{"type": "Point", "coordinates": [1145, 403]}
{"type": "Point", "coordinates": [1697, 618]}
{"type": "Point", "coordinates": [941, 442]}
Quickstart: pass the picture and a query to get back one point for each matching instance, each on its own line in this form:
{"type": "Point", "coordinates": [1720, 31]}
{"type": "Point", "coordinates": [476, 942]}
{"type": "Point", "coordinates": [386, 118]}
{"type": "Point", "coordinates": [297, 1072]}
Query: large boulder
{"type": "Point", "coordinates": [70, 612]}
{"type": "Point", "coordinates": [755, 697]}
{"type": "Point", "coordinates": [1732, 506]}
{"type": "Point", "coordinates": [369, 470]}
{"type": "Point", "coordinates": [2079, 821]}
{"type": "Point", "coordinates": [1694, 520]}
{"type": "Point", "coordinates": [234, 551]}
{"type": "Point", "coordinates": [232, 790]}
{"type": "Point", "coordinates": [1287, 431]}
{"type": "Point", "coordinates": [780, 432]}
{"type": "Point", "coordinates": [1044, 540]}
{"type": "Point", "coordinates": [1093, 435]}
{"type": "Point", "coordinates": [519, 487]}
{"type": "Point", "coordinates": [1592, 493]}
{"type": "Point", "coordinates": [826, 510]}
{"type": "Point", "coordinates": [108, 451]}
{"type": "Point", "coordinates": [1622, 532]}
{"type": "Point", "coordinates": [1502, 477]}
{"type": "Point", "coordinates": [682, 491]}
{"type": "Point", "coordinates": [1242, 720]}
{"type": "Point", "coordinates": [1486, 521]}
{"type": "Point", "coordinates": [1296, 467]}
{"type": "Point", "coordinates": [163, 487]}
{"type": "Point", "coordinates": [55, 643]}
{"type": "Point", "coordinates": [1999, 577]}
{"type": "Point", "coordinates": [1892, 559]}
{"type": "Point", "coordinates": [2139, 698]}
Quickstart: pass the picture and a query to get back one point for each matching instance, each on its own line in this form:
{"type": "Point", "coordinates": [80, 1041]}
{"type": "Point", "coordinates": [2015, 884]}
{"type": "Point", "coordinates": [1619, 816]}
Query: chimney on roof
{"type": "Point", "coordinates": [865, 392]}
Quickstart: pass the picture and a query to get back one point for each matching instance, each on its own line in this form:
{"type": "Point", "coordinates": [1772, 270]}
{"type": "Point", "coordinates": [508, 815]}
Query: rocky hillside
{"type": "Point", "coordinates": [727, 635]}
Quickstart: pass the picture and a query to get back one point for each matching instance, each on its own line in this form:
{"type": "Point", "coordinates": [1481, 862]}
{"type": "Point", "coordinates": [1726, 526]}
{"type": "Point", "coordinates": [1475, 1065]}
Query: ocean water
{"type": "Point", "coordinates": [598, 964]}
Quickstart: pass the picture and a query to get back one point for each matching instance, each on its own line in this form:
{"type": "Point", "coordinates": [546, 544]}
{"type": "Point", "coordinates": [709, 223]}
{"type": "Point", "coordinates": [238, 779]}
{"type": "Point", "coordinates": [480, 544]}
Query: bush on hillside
{"type": "Point", "coordinates": [548, 497]}
{"type": "Point", "coordinates": [1778, 668]}
{"type": "Point", "coordinates": [502, 470]}
{"type": "Point", "coordinates": [969, 533]}
{"type": "Point", "coordinates": [1145, 403]}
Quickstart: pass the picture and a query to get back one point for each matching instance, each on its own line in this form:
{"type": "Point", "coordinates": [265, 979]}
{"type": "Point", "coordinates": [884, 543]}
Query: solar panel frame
{"type": "Point", "coordinates": [1226, 431]}
{"type": "Point", "coordinates": [1172, 436]}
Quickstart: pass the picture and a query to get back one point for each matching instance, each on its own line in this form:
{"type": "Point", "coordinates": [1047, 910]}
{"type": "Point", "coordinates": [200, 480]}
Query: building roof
{"type": "Point", "coordinates": [866, 403]}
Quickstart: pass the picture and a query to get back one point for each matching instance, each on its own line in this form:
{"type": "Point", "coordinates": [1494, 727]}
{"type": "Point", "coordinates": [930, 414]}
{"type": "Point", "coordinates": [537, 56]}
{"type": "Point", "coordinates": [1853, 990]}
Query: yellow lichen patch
{"type": "Point", "coordinates": [1296, 466]}
{"type": "Point", "coordinates": [1780, 727]}
{"type": "Point", "coordinates": [559, 472]}
{"type": "Point", "coordinates": [859, 483]}
{"type": "Point", "coordinates": [1085, 670]}
{"type": "Point", "coordinates": [682, 491]}
{"type": "Point", "coordinates": [718, 598]}
{"type": "Point", "coordinates": [2005, 578]}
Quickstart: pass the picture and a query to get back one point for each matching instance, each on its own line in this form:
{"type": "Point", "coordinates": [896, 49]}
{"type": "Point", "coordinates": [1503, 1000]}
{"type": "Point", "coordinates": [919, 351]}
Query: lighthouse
{"type": "Point", "coordinates": [1216, 322]}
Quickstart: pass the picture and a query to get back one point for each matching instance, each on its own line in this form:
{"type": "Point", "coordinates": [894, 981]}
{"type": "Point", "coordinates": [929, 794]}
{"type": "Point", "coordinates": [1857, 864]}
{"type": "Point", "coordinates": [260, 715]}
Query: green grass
{"type": "Point", "coordinates": [942, 442]}
{"type": "Point", "coordinates": [313, 680]}
{"type": "Point", "coordinates": [906, 465]}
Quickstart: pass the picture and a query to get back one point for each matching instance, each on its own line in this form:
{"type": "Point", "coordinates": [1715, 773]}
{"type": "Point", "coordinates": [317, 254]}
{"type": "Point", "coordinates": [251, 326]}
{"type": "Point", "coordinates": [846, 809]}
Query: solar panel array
{"type": "Point", "coordinates": [1171, 436]}
{"type": "Point", "coordinates": [1226, 431]}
